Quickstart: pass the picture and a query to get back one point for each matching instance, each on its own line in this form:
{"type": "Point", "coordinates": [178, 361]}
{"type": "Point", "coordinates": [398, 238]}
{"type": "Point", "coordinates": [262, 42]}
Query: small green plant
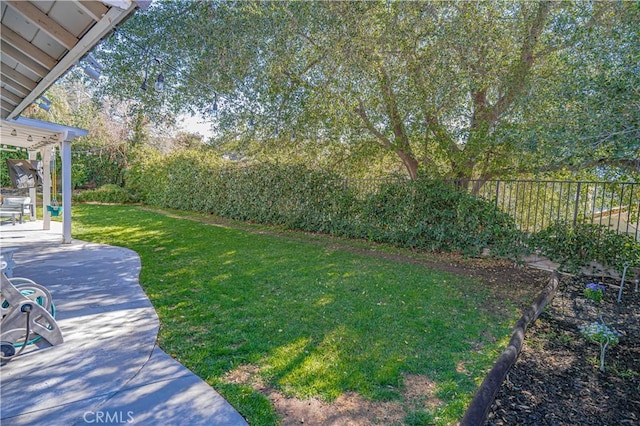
{"type": "Point", "coordinates": [594, 291]}
{"type": "Point", "coordinates": [419, 418]}
{"type": "Point", "coordinates": [600, 333]}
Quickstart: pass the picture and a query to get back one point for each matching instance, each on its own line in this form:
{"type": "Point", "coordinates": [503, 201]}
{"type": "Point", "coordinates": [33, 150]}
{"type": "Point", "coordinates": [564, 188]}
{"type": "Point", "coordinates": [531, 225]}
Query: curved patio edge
{"type": "Point", "coordinates": [109, 369]}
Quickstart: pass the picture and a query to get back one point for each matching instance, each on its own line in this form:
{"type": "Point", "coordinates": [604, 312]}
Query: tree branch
{"type": "Point", "coordinates": [568, 42]}
{"type": "Point", "coordinates": [516, 81]}
{"type": "Point", "coordinates": [389, 97]}
{"type": "Point", "coordinates": [362, 113]}
{"type": "Point", "coordinates": [624, 163]}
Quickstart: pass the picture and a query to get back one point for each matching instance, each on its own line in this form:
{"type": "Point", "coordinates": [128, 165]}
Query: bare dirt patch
{"type": "Point", "coordinates": [349, 409]}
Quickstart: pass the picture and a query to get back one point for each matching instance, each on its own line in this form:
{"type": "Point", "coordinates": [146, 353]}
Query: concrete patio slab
{"type": "Point", "coordinates": [109, 369]}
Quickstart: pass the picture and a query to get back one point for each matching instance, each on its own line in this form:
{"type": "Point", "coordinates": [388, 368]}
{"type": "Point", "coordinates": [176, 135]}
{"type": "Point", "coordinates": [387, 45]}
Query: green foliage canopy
{"type": "Point", "coordinates": [453, 89]}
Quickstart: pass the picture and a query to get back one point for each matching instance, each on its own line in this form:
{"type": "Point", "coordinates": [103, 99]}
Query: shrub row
{"type": "Point", "coordinates": [109, 193]}
{"type": "Point", "coordinates": [425, 215]}
{"type": "Point", "coordinates": [576, 247]}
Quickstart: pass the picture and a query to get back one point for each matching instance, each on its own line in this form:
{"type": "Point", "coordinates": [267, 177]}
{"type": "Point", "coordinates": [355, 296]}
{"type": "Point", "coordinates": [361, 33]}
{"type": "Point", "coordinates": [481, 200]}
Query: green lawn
{"type": "Point", "coordinates": [314, 320]}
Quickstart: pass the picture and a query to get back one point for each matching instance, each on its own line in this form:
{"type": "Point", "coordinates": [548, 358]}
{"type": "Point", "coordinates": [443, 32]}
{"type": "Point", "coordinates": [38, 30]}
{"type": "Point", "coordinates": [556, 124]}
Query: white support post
{"type": "Point", "coordinates": [66, 188]}
{"type": "Point", "coordinates": [46, 187]}
{"type": "Point", "coordinates": [33, 156]}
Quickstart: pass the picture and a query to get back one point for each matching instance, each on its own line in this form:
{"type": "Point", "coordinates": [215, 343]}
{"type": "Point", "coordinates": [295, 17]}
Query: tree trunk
{"type": "Point", "coordinates": [410, 163]}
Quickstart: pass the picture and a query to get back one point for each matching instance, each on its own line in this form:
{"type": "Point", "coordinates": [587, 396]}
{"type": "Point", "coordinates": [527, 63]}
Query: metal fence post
{"type": "Point", "coordinates": [576, 204]}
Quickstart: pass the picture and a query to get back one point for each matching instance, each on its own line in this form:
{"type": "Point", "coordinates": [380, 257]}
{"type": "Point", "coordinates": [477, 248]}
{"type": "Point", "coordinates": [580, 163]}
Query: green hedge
{"type": "Point", "coordinates": [425, 215]}
{"type": "Point", "coordinates": [432, 215]}
{"type": "Point", "coordinates": [575, 247]}
{"type": "Point", "coordinates": [105, 194]}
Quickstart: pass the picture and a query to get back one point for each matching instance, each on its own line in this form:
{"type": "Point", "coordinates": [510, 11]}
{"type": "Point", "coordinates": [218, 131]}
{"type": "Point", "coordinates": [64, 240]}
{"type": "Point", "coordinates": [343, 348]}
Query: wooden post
{"type": "Point", "coordinates": [46, 187]}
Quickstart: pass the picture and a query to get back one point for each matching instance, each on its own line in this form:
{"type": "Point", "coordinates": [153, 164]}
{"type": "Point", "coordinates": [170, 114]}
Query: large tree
{"type": "Point", "coordinates": [456, 89]}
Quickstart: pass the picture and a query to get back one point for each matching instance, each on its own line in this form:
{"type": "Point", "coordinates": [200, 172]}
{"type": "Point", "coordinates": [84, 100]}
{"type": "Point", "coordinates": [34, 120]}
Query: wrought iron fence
{"type": "Point", "coordinates": [536, 204]}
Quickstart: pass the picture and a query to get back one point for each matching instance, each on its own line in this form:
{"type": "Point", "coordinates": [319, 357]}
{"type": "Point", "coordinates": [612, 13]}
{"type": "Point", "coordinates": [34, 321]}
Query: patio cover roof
{"type": "Point", "coordinates": [41, 40]}
{"type": "Point", "coordinates": [33, 134]}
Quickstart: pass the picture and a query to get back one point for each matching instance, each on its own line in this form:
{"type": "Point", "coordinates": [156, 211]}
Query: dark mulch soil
{"type": "Point", "coordinates": [557, 381]}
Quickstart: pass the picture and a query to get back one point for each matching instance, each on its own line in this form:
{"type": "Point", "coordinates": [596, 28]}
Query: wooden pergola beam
{"type": "Point", "coordinates": [44, 23]}
{"type": "Point", "coordinates": [6, 105]}
{"type": "Point", "coordinates": [9, 82]}
{"type": "Point", "coordinates": [25, 82]}
{"type": "Point", "coordinates": [9, 96]}
{"type": "Point", "coordinates": [23, 59]}
{"type": "Point", "coordinates": [17, 41]}
{"type": "Point", "coordinates": [95, 9]}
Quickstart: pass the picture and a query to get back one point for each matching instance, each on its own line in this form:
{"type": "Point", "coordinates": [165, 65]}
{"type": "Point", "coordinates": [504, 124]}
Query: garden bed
{"type": "Point", "coordinates": [557, 381]}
